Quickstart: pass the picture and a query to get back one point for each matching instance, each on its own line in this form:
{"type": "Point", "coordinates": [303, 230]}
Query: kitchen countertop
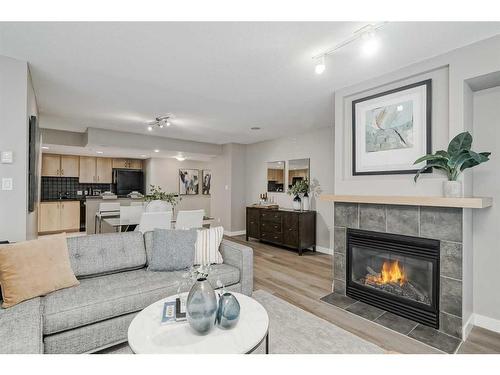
{"type": "Point", "coordinates": [73, 199]}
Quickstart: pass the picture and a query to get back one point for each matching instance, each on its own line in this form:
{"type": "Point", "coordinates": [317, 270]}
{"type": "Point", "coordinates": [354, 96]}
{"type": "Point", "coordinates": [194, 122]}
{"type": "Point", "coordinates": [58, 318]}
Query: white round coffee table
{"type": "Point", "coordinates": [147, 336]}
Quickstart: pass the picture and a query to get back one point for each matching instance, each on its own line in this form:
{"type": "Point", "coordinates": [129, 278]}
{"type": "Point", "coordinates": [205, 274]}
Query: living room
{"type": "Point", "coordinates": [296, 187]}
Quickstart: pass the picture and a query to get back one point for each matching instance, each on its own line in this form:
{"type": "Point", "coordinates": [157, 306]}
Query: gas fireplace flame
{"type": "Point", "coordinates": [391, 272]}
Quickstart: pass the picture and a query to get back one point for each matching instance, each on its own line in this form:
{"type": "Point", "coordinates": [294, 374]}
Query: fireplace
{"type": "Point", "coordinates": [396, 273]}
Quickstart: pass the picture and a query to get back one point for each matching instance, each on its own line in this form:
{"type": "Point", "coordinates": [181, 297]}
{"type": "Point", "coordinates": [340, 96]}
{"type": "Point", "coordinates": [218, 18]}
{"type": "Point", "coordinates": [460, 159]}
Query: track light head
{"type": "Point", "coordinates": [370, 43]}
{"type": "Point", "coordinates": [320, 65]}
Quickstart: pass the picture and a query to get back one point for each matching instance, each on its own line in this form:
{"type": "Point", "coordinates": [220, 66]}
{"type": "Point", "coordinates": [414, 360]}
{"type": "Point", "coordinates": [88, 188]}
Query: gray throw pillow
{"type": "Point", "coordinates": [173, 250]}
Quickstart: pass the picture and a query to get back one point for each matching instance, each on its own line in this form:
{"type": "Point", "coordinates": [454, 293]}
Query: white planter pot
{"type": "Point", "coordinates": [296, 203]}
{"type": "Point", "coordinates": [305, 203]}
{"type": "Point", "coordinates": [158, 206]}
{"type": "Point", "coordinates": [452, 189]}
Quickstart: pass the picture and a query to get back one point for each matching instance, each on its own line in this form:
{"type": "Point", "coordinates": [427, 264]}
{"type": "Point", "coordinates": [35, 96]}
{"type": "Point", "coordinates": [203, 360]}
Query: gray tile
{"type": "Point", "coordinates": [346, 215]}
{"type": "Point", "coordinates": [338, 300]}
{"type": "Point", "coordinates": [451, 259]}
{"type": "Point", "coordinates": [434, 338]}
{"type": "Point", "coordinates": [441, 223]}
{"type": "Point", "coordinates": [339, 240]}
{"type": "Point", "coordinates": [396, 323]}
{"type": "Point", "coordinates": [372, 217]}
{"type": "Point", "coordinates": [364, 310]}
{"type": "Point", "coordinates": [402, 220]}
{"type": "Point", "coordinates": [451, 296]}
{"type": "Point", "coordinates": [338, 266]}
{"type": "Point", "coordinates": [339, 286]}
{"type": "Point", "coordinates": [450, 324]}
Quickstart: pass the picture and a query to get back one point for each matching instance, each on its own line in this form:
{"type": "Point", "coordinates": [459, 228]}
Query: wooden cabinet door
{"type": "Point", "coordinates": [49, 218]}
{"type": "Point", "coordinates": [87, 169]}
{"type": "Point", "coordinates": [51, 165]}
{"type": "Point", "coordinates": [70, 215]}
{"type": "Point", "coordinates": [70, 166]}
{"type": "Point", "coordinates": [104, 170]}
{"type": "Point", "coordinates": [291, 229]}
{"type": "Point", "coordinates": [135, 164]}
{"type": "Point", "coordinates": [119, 163]}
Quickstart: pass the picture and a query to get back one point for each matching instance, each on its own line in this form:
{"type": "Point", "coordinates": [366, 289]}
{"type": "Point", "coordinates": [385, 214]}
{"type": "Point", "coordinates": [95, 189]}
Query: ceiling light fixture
{"type": "Point", "coordinates": [369, 47]}
{"type": "Point", "coordinates": [255, 128]}
{"type": "Point", "coordinates": [99, 152]}
{"type": "Point", "coordinates": [157, 150]}
{"type": "Point", "coordinates": [180, 158]}
{"type": "Point", "coordinates": [160, 122]}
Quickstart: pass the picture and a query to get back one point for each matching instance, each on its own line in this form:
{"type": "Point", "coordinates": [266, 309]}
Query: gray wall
{"type": "Point", "coordinates": [317, 145]}
{"type": "Point", "coordinates": [165, 172]}
{"type": "Point", "coordinates": [15, 225]}
{"type": "Point", "coordinates": [486, 222]}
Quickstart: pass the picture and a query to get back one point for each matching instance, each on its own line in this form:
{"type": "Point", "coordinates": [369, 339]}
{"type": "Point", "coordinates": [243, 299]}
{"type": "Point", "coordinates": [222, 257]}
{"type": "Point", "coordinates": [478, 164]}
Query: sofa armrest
{"type": "Point", "coordinates": [21, 328]}
{"type": "Point", "coordinates": [240, 256]}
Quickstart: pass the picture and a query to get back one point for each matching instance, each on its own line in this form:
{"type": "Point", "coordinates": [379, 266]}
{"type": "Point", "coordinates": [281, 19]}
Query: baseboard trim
{"type": "Point", "coordinates": [486, 322]}
{"type": "Point", "coordinates": [467, 327]}
{"type": "Point", "coordinates": [236, 233]}
{"type": "Point", "coordinates": [324, 250]}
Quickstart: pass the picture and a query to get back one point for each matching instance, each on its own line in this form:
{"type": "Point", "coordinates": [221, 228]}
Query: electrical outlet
{"type": "Point", "coordinates": [7, 183]}
{"type": "Point", "coordinates": [7, 157]}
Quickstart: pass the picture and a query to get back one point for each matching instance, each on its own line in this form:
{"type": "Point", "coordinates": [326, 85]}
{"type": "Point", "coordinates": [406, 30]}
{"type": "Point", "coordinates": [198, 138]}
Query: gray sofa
{"type": "Point", "coordinates": [114, 286]}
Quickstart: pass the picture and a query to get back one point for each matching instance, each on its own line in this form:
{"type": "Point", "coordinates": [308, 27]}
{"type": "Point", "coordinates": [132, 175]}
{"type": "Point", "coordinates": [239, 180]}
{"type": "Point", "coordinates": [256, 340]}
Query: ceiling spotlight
{"type": "Point", "coordinates": [180, 158]}
{"type": "Point", "coordinates": [370, 43]}
{"type": "Point", "coordinates": [150, 128]}
{"type": "Point", "coordinates": [320, 65]}
{"type": "Point", "coordinates": [99, 152]}
{"type": "Point", "coordinates": [255, 128]}
{"type": "Point", "coordinates": [167, 123]}
{"type": "Point", "coordinates": [157, 150]}
{"type": "Point", "coordinates": [160, 125]}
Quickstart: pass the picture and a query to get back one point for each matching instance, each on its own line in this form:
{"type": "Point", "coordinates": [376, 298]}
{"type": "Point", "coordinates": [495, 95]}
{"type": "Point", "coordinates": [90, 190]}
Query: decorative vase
{"type": "Point", "coordinates": [201, 306]}
{"type": "Point", "coordinates": [296, 203]}
{"type": "Point", "coordinates": [158, 206]}
{"type": "Point", "coordinates": [452, 189]}
{"type": "Point", "coordinates": [305, 202]}
{"type": "Point", "coordinates": [228, 312]}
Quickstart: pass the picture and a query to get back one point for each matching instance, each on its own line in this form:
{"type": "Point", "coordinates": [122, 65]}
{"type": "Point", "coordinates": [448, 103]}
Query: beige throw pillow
{"type": "Point", "coordinates": [34, 268]}
{"type": "Point", "coordinates": [207, 246]}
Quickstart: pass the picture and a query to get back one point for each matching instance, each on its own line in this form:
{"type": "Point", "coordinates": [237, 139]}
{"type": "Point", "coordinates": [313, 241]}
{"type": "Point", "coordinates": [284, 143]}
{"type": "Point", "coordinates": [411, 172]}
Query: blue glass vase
{"type": "Point", "coordinates": [228, 313]}
{"type": "Point", "coordinates": [201, 306]}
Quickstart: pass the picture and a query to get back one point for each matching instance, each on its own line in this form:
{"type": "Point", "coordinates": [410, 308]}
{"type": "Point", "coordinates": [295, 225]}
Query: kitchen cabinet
{"type": "Point", "coordinates": [127, 163]}
{"type": "Point", "coordinates": [96, 170]}
{"type": "Point", "coordinates": [60, 165]}
{"type": "Point", "coordinates": [58, 216]}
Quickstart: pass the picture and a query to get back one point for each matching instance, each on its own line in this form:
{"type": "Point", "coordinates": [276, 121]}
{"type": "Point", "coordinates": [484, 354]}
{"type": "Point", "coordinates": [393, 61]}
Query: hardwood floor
{"type": "Point", "coordinates": [303, 280]}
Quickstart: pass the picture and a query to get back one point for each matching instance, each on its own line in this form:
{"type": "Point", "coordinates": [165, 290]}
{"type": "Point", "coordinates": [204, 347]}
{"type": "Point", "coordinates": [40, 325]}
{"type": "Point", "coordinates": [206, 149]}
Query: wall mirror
{"type": "Point", "coordinates": [298, 169]}
{"type": "Point", "coordinates": [276, 176]}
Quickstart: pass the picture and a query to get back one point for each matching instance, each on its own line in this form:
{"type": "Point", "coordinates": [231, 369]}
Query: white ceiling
{"type": "Point", "coordinates": [218, 79]}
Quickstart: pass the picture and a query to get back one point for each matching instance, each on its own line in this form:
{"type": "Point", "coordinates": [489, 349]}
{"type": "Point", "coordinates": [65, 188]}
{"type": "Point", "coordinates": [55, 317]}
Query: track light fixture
{"type": "Point", "coordinates": [370, 45]}
{"type": "Point", "coordinates": [160, 122]}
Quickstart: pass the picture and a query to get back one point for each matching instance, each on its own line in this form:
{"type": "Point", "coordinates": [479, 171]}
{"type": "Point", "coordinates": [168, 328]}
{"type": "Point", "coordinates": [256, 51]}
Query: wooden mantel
{"type": "Point", "coordinates": [470, 202]}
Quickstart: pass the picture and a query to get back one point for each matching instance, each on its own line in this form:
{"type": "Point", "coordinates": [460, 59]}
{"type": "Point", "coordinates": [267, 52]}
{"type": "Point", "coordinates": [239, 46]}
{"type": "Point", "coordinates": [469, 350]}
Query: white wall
{"type": "Point", "coordinates": [14, 115]}
{"type": "Point", "coordinates": [486, 222]}
{"type": "Point", "coordinates": [317, 145]}
{"type": "Point", "coordinates": [165, 172]}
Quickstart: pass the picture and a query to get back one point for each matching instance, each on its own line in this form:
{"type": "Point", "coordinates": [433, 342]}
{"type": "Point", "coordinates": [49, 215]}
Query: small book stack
{"type": "Point", "coordinates": [173, 311]}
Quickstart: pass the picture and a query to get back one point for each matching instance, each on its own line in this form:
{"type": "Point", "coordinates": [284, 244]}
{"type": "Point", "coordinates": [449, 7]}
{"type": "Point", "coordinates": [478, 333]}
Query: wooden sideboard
{"type": "Point", "coordinates": [293, 229]}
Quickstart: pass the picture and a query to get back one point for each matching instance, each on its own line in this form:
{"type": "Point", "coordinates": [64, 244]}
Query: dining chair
{"type": "Point", "coordinates": [106, 209]}
{"type": "Point", "coordinates": [189, 219]}
{"type": "Point", "coordinates": [154, 220]}
{"type": "Point", "coordinates": [131, 214]}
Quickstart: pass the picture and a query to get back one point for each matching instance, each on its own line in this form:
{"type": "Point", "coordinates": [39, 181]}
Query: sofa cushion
{"type": "Point", "coordinates": [21, 328]}
{"type": "Point", "coordinates": [103, 254]}
{"type": "Point", "coordinates": [173, 250]}
{"type": "Point", "coordinates": [104, 297]}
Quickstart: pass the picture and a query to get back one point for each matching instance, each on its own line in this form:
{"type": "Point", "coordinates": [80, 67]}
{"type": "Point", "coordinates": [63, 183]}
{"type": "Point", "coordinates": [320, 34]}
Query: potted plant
{"type": "Point", "coordinates": [300, 187]}
{"type": "Point", "coordinates": [453, 162]}
{"type": "Point", "coordinates": [158, 200]}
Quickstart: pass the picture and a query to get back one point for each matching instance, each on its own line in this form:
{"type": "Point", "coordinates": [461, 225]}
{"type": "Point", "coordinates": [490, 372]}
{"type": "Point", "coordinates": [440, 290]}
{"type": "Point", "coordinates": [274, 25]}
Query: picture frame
{"type": "Point", "coordinates": [189, 182]}
{"type": "Point", "coordinates": [206, 181]}
{"type": "Point", "coordinates": [391, 129]}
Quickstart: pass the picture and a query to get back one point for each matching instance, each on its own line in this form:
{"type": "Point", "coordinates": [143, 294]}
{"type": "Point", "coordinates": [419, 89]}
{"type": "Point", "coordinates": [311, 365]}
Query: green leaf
{"type": "Point", "coordinates": [430, 157]}
{"type": "Point", "coordinates": [483, 157]}
{"type": "Point", "coordinates": [434, 165]}
{"type": "Point", "coordinates": [443, 153]}
{"type": "Point", "coordinates": [462, 141]}
{"type": "Point", "coordinates": [459, 158]}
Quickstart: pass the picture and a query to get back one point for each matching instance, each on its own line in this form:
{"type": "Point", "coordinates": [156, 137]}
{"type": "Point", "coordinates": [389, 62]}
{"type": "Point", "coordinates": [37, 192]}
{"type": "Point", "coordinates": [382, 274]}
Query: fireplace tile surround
{"type": "Point", "coordinates": [440, 223]}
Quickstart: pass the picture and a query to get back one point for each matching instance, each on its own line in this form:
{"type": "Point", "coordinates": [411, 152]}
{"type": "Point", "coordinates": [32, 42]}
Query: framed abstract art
{"type": "Point", "coordinates": [188, 181]}
{"type": "Point", "coordinates": [392, 129]}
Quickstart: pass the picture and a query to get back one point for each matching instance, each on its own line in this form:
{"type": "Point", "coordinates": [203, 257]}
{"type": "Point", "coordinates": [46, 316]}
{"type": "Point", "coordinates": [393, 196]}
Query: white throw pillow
{"type": "Point", "coordinates": [207, 246]}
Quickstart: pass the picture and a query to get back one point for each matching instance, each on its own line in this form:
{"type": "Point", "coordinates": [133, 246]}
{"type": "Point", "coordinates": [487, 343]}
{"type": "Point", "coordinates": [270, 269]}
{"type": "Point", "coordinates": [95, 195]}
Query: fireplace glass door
{"type": "Point", "coordinates": [397, 275]}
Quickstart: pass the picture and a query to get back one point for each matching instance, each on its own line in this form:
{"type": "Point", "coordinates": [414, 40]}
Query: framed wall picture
{"type": "Point", "coordinates": [188, 181]}
{"type": "Point", "coordinates": [391, 130]}
{"type": "Point", "coordinates": [206, 179]}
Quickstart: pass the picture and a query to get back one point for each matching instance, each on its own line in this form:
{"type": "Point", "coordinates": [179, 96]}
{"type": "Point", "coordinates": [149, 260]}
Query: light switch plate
{"type": "Point", "coordinates": [7, 157]}
{"type": "Point", "coordinates": [7, 183]}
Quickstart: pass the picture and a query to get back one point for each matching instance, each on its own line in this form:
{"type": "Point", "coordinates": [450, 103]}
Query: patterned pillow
{"type": "Point", "coordinates": [207, 246]}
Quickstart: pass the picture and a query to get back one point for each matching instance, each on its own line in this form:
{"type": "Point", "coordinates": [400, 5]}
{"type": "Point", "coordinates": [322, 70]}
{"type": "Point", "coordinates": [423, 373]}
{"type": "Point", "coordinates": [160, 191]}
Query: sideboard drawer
{"type": "Point", "coordinates": [273, 216]}
{"type": "Point", "coordinates": [270, 226]}
{"type": "Point", "coordinates": [271, 237]}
